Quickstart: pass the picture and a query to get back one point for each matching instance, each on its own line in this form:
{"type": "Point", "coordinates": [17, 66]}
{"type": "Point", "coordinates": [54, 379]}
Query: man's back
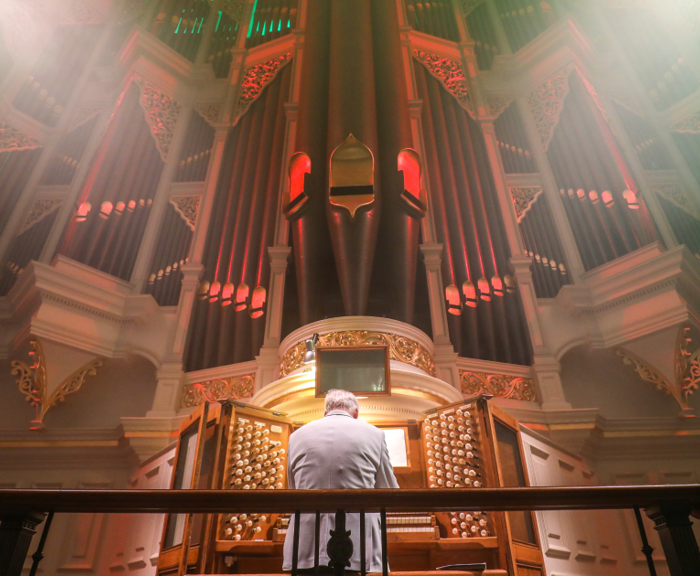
{"type": "Point", "coordinates": [339, 451]}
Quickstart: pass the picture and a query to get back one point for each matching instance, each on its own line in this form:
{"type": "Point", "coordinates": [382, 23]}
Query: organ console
{"type": "Point", "coordinates": [470, 444]}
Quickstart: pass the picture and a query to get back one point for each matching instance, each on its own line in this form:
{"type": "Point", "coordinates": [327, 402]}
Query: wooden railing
{"type": "Point", "coordinates": [670, 507]}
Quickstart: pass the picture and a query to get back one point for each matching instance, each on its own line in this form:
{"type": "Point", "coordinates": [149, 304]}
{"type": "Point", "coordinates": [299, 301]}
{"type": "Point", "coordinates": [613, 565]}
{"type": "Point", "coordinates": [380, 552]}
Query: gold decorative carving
{"type": "Point", "coordinates": [233, 388]}
{"type": "Point", "coordinates": [451, 74]}
{"type": "Point", "coordinates": [210, 113]}
{"type": "Point", "coordinates": [400, 348]}
{"type": "Point", "coordinates": [497, 104]}
{"type": "Point", "coordinates": [500, 385]}
{"type": "Point", "coordinates": [675, 193]}
{"type": "Point", "coordinates": [33, 383]}
{"type": "Point", "coordinates": [161, 113]}
{"type": "Point", "coordinates": [234, 9]}
{"type": "Point", "coordinates": [187, 207]}
{"type": "Point", "coordinates": [469, 5]}
{"type": "Point", "coordinates": [41, 208]}
{"type": "Point", "coordinates": [255, 80]}
{"type": "Point", "coordinates": [686, 371]}
{"type": "Point", "coordinates": [547, 102]}
{"type": "Point", "coordinates": [523, 199]}
{"type": "Point", "coordinates": [690, 125]}
{"type": "Point", "coordinates": [13, 139]}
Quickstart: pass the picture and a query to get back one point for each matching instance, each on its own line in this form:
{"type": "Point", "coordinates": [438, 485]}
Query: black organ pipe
{"type": "Point", "coordinates": [196, 151]}
{"type": "Point", "coordinates": [180, 24]}
{"type": "Point", "coordinates": [110, 241]}
{"type": "Point", "coordinates": [240, 230]}
{"type": "Point", "coordinates": [685, 227]}
{"type": "Point", "coordinates": [481, 30]}
{"type": "Point", "coordinates": [689, 146]}
{"type": "Point", "coordinates": [523, 20]}
{"type": "Point", "coordinates": [513, 143]}
{"type": "Point", "coordinates": [25, 247]}
{"type": "Point", "coordinates": [652, 153]}
{"type": "Point", "coordinates": [352, 110]}
{"type": "Point", "coordinates": [271, 20]}
{"type": "Point", "coordinates": [170, 254]}
{"type": "Point", "coordinates": [467, 219]}
{"type": "Point", "coordinates": [15, 168]}
{"type": "Point", "coordinates": [223, 40]}
{"type": "Point", "coordinates": [53, 77]}
{"type": "Point", "coordinates": [400, 227]}
{"type": "Point", "coordinates": [586, 171]}
{"type": "Point", "coordinates": [436, 18]}
{"type": "Point", "coordinates": [654, 56]}
{"type": "Point", "coordinates": [61, 168]}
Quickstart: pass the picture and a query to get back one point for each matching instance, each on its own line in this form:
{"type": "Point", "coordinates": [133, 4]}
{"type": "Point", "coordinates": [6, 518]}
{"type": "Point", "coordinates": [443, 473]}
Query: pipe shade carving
{"type": "Point", "coordinates": [33, 383]}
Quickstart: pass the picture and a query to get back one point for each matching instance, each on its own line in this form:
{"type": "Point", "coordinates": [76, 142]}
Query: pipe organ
{"type": "Point", "coordinates": [469, 444]}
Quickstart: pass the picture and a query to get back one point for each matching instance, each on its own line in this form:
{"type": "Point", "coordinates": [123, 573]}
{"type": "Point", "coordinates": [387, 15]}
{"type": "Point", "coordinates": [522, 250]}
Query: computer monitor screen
{"type": "Point", "coordinates": [362, 370]}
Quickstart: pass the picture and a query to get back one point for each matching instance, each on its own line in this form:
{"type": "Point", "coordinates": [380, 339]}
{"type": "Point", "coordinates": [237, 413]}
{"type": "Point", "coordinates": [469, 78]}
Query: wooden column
{"type": "Point", "coordinates": [675, 529]}
{"type": "Point", "coordinates": [16, 531]}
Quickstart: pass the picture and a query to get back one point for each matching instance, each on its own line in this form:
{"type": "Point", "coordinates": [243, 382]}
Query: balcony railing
{"type": "Point", "coordinates": [670, 507]}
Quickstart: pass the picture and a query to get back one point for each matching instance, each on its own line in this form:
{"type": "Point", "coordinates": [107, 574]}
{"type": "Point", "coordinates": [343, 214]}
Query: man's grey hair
{"type": "Point", "coordinates": [341, 400]}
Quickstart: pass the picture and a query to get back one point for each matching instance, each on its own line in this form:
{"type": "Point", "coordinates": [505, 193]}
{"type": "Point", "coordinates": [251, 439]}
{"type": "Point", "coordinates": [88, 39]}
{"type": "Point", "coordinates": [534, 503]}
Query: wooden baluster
{"type": "Point", "coordinates": [16, 531]}
{"type": "Point", "coordinates": [675, 529]}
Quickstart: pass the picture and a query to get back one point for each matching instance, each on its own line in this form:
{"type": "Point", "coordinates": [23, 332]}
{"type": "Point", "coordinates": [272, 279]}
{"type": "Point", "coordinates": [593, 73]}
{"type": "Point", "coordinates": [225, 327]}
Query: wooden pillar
{"type": "Point", "coordinates": [675, 529]}
{"type": "Point", "coordinates": [16, 531]}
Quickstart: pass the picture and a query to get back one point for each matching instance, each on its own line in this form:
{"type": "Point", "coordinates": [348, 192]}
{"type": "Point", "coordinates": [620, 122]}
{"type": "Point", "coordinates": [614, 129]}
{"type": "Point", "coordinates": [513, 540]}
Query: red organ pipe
{"type": "Point", "coordinates": [109, 241]}
{"type": "Point", "coordinates": [468, 224]}
{"type": "Point", "coordinates": [239, 233]}
{"type": "Point", "coordinates": [352, 110]}
{"type": "Point", "coordinates": [400, 224]}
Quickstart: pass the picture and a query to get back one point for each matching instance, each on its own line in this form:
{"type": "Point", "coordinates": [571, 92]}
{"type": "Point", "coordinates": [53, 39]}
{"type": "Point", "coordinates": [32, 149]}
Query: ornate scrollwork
{"type": "Point", "coordinates": [41, 208]}
{"type": "Point", "coordinates": [497, 104]}
{"type": "Point", "coordinates": [13, 139]}
{"type": "Point", "coordinates": [500, 385]}
{"type": "Point", "coordinates": [161, 113]}
{"type": "Point", "coordinates": [187, 207]}
{"type": "Point", "coordinates": [675, 193]}
{"type": "Point", "coordinates": [690, 125]}
{"type": "Point", "coordinates": [210, 113]}
{"type": "Point", "coordinates": [451, 74]}
{"type": "Point", "coordinates": [547, 102]}
{"type": "Point", "coordinates": [33, 383]}
{"type": "Point", "coordinates": [400, 348]}
{"type": "Point", "coordinates": [255, 79]}
{"type": "Point", "coordinates": [233, 388]}
{"type": "Point", "coordinates": [686, 371]}
{"type": "Point", "coordinates": [523, 199]}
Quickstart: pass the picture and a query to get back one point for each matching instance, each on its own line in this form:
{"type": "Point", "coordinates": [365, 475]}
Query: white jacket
{"type": "Point", "coordinates": [337, 452]}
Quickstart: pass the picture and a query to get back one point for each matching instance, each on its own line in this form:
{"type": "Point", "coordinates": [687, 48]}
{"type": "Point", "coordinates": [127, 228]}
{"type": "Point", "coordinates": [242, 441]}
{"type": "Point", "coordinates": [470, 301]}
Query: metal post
{"type": "Point", "coordinates": [647, 550]}
{"type": "Point", "coordinates": [295, 543]}
{"type": "Point", "coordinates": [363, 545]}
{"type": "Point", "coordinates": [340, 547]}
{"type": "Point", "coordinates": [38, 556]}
{"type": "Point", "coordinates": [317, 544]}
{"type": "Point", "coordinates": [385, 550]}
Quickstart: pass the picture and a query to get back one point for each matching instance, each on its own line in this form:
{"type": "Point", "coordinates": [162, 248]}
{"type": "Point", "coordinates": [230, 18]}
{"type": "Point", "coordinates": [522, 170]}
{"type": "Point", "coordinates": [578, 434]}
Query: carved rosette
{"type": "Point", "coordinates": [500, 385]}
{"type": "Point", "coordinates": [451, 74]}
{"type": "Point", "coordinates": [161, 113]}
{"type": "Point", "coordinates": [233, 388]}
{"type": "Point", "coordinates": [546, 104]}
{"type": "Point", "coordinates": [497, 104]}
{"type": "Point", "coordinates": [13, 139]}
{"type": "Point", "coordinates": [187, 207]}
{"type": "Point", "coordinates": [469, 5]}
{"type": "Point", "coordinates": [690, 125]}
{"type": "Point", "coordinates": [255, 80]}
{"type": "Point", "coordinates": [401, 349]}
{"type": "Point", "coordinates": [33, 383]}
{"type": "Point", "coordinates": [210, 113]}
{"type": "Point", "coordinates": [675, 193]}
{"type": "Point", "coordinates": [234, 9]}
{"type": "Point", "coordinates": [41, 208]}
{"type": "Point", "coordinates": [523, 199]}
